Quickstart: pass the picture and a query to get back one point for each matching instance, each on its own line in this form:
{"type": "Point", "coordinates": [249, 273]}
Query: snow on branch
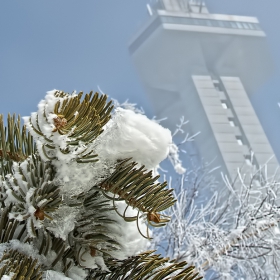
{"type": "Point", "coordinates": [78, 194]}
{"type": "Point", "coordinates": [235, 234]}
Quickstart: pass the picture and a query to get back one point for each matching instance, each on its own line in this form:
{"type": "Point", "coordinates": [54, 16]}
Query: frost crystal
{"type": "Point", "coordinates": [63, 221]}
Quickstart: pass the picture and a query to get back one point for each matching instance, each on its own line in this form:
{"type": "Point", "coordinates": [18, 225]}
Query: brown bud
{"type": "Point", "coordinates": [153, 217]}
{"type": "Point", "coordinates": [92, 251]}
{"type": "Point", "coordinates": [39, 214]}
{"type": "Point", "coordinates": [59, 122]}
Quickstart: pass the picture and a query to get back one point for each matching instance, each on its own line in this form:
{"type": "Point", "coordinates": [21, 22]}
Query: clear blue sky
{"type": "Point", "coordinates": [78, 45]}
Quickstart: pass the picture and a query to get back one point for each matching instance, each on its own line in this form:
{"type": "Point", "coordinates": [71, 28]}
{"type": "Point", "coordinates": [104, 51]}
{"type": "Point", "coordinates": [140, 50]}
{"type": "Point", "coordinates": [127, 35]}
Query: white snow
{"type": "Point", "coordinates": [63, 221]}
{"type": "Point", "coordinates": [127, 234]}
{"type": "Point", "coordinates": [76, 178]}
{"type": "Point", "coordinates": [55, 275]}
{"type": "Point", "coordinates": [92, 262]}
{"type": "Point", "coordinates": [8, 277]}
{"type": "Point", "coordinates": [23, 248]}
{"type": "Point", "coordinates": [129, 134]}
{"type": "Point", "coordinates": [77, 273]}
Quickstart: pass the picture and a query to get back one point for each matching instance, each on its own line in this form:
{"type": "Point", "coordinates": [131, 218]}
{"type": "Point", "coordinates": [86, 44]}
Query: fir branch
{"type": "Point", "coordinates": [19, 266]}
{"type": "Point", "coordinates": [16, 144]}
{"type": "Point", "coordinates": [138, 189]}
{"type": "Point", "coordinates": [69, 225]}
{"type": "Point", "coordinates": [32, 186]}
{"type": "Point", "coordinates": [10, 228]}
{"type": "Point", "coordinates": [147, 266]}
{"type": "Point", "coordinates": [80, 121]}
{"type": "Point", "coordinates": [87, 117]}
{"type": "Point", "coordinates": [92, 231]}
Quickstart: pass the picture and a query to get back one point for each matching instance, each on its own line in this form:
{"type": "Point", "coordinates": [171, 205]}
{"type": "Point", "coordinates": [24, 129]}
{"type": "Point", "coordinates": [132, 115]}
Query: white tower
{"type": "Point", "coordinates": [205, 66]}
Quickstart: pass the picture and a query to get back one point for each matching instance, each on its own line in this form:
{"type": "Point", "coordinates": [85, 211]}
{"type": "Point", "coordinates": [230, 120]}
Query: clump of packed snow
{"type": "Point", "coordinates": [76, 178]}
{"type": "Point", "coordinates": [8, 277]}
{"type": "Point", "coordinates": [92, 262]}
{"type": "Point", "coordinates": [127, 234]}
{"type": "Point", "coordinates": [132, 135]}
{"type": "Point", "coordinates": [174, 151]}
{"type": "Point", "coordinates": [74, 273]}
{"type": "Point", "coordinates": [54, 275]}
{"type": "Point", "coordinates": [77, 273]}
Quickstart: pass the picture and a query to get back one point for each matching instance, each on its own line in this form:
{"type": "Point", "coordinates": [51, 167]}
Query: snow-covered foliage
{"type": "Point", "coordinates": [233, 235]}
{"type": "Point", "coordinates": [66, 205]}
{"type": "Point", "coordinates": [83, 204]}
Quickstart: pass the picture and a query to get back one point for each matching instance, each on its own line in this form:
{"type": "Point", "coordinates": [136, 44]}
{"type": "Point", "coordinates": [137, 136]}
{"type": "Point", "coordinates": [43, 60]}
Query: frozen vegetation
{"type": "Point", "coordinates": [234, 234]}
{"type": "Point", "coordinates": [81, 199]}
{"type": "Point", "coordinates": [80, 191]}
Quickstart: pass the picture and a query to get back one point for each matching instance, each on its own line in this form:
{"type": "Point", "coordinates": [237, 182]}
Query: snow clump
{"type": "Point", "coordinates": [133, 135]}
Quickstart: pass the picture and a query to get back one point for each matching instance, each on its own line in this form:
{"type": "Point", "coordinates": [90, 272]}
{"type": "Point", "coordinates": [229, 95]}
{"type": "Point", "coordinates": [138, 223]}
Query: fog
{"type": "Point", "coordinates": [72, 46]}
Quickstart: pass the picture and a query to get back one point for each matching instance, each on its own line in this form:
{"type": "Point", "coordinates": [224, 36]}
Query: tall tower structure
{"type": "Point", "coordinates": [204, 67]}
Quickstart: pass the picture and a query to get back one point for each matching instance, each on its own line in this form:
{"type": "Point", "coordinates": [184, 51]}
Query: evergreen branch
{"type": "Point", "coordinates": [146, 266]}
{"type": "Point", "coordinates": [92, 231]}
{"type": "Point", "coordinates": [16, 144]}
{"type": "Point", "coordinates": [77, 233]}
{"type": "Point", "coordinates": [47, 244]}
{"type": "Point", "coordinates": [8, 226]}
{"type": "Point", "coordinates": [32, 186]}
{"type": "Point", "coordinates": [138, 189]}
{"type": "Point", "coordinates": [88, 117]}
{"type": "Point", "coordinates": [19, 266]}
{"type": "Point", "coordinates": [82, 121]}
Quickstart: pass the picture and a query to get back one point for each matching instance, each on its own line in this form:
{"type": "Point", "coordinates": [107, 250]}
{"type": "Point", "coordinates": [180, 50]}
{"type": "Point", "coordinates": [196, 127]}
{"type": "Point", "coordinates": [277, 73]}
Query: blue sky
{"type": "Point", "coordinates": [79, 45]}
